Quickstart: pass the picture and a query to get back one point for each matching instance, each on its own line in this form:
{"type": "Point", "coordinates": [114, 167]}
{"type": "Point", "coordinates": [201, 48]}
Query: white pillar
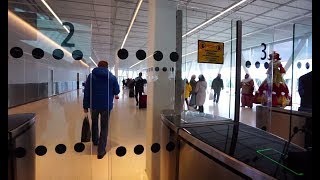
{"type": "Point", "coordinates": [161, 37]}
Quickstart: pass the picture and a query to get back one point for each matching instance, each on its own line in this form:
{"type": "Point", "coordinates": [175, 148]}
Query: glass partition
{"type": "Point", "coordinates": [301, 65]}
{"type": "Point", "coordinates": [50, 55]}
{"type": "Point", "coordinates": [203, 100]}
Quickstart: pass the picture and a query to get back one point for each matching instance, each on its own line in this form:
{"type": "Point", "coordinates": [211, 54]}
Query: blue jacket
{"type": "Point", "coordinates": [104, 87]}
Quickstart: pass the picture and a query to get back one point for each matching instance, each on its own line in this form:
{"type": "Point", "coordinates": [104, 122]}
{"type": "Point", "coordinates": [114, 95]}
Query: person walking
{"type": "Point", "coordinates": [187, 91]}
{"type": "Point", "coordinates": [200, 90]}
{"type": "Point", "coordinates": [217, 86]}
{"type": "Point", "coordinates": [193, 84]}
{"type": "Point", "coordinates": [100, 89]}
{"type": "Point", "coordinates": [139, 87]}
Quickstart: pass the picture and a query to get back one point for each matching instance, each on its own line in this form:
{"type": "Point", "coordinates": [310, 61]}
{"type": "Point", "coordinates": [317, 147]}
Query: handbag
{"type": "Point", "coordinates": [86, 131]}
{"type": "Point", "coordinates": [211, 95]}
{"type": "Point", "coordinates": [192, 100]}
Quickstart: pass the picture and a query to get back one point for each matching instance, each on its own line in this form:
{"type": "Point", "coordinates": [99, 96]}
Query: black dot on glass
{"type": "Point", "coordinates": [155, 147]}
{"type": "Point", "coordinates": [123, 54]}
{"type": "Point", "coordinates": [20, 152]}
{"type": "Point", "coordinates": [299, 65]}
{"type": "Point", "coordinates": [138, 149]}
{"type": "Point", "coordinates": [156, 68]}
{"type": "Point", "coordinates": [266, 65]}
{"type": "Point", "coordinates": [307, 65]}
{"type": "Point", "coordinates": [248, 64]}
{"type": "Point", "coordinates": [257, 64]}
{"type": "Point", "coordinates": [164, 69]}
{"type": "Point", "coordinates": [79, 147]}
{"type": "Point", "coordinates": [60, 148]}
{"type": "Point", "coordinates": [174, 56]}
{"type": "Point", "coordinates": [141, 54]}
{"type": "Point", "coordinates": [37, 53]}
{"type": "Point", "coordinates": [158, 55]}
{"type": "Point", "coordinates": [172, 69]}
{"type": "Point", "coordinates": [77, 55]}
{"type": "Point", "coordinates": [41, 150]}
{"type": "Point", "coordinates": [170, 146]}
{"type": "Point", "coordinates": [121, 151]}
{"type": "Point", "coordinates": [58, 54]}
{"type": "Point", "coordinates": [16, 52]}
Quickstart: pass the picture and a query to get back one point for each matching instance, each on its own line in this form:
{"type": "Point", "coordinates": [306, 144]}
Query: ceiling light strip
{"type": "Point", "coordinates": [189, 53]}
{"type": "Point", "coordinates": [54, 14]}
{"type": "Point", "coordinates": [131, 23]}
{"type": "Point", "coordinates": [213, 18]}
{"type": "Point", "coordinates": [140, 61]}
{"type": "Point", "coordinates": [93, 61]}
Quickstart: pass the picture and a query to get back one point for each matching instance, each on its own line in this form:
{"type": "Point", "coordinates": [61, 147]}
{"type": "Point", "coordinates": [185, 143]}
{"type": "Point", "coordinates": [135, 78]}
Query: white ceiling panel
{"type": "Point", "coordinates": [143, 12]}
{"type": "Point", "coordinates": [254, 9]}
{"type": "Point", "coordinates": [196, 14]}
{"type": "Point", "coordinates": [106, 15]}
{"type": "Point", "coordinates": [57, 5]}
{"type": "Point", "coordinates": [305, 4]}
{"type": "Point", "coordinates": [101, 8]}
{"type": "Point", "coordinates": [124, 12]}
{"type": "Point", "coordinates": [131, 5]}
{"type": "Point", "coordinates": [266, 4]}
{"type": "Point", "coordinates": [277, 13]}
{"type": "Point", "coordinates": [293, 10]}
{"type": "Point", "coordinates": [264, 21]}
{"type": "Point", "coordinates": [305, 21]}
{"type": "Point", "coordinates": [246, 29]}
{"type": "Point", "coordinates": [279, 1]}
{"type": "Point", "coordinates": [254, 25]}
{"type": "Point", "coordinates": [204, 8]}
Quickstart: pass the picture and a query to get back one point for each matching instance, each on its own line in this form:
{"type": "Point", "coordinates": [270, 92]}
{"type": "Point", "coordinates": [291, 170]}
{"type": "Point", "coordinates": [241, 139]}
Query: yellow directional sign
{"type": "Point", "coordinates": [210, 52]}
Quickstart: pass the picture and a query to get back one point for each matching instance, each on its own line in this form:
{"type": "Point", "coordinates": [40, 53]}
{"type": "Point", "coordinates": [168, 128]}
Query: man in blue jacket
{"type": "Point", "coordinates": [100, 89]}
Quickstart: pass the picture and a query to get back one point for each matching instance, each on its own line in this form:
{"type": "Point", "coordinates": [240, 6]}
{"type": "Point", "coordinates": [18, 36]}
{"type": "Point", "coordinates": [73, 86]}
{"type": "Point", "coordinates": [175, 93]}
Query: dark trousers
{"type": "Point", "coordinates": [201, 109]}
{"type": "Point", "coordinates": [104, 119]}
{"type": "Point", "coordinates": [136, 95]}
{"type": "Point", "coordinates": [216, 96]}
{"type": "Point", "coordinates": [186, 99]}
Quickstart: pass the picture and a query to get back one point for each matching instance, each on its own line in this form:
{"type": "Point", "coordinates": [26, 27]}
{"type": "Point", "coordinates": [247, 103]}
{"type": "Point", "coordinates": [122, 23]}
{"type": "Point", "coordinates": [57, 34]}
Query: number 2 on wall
{"type": "Point", "coordinates": [65, 41]}
{"type": "Point", "coordinates": [264, 51]}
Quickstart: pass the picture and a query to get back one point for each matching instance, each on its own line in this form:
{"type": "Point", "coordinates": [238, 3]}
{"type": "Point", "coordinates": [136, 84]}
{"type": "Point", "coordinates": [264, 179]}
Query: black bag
{"type": "Point", "coordinates": [131, 93]}
{"type": "Point", "coordinates": [86, 131]}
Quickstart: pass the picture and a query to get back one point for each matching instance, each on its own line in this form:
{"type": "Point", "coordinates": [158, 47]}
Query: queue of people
{"type": "Point", "coordinates": [195, 91]}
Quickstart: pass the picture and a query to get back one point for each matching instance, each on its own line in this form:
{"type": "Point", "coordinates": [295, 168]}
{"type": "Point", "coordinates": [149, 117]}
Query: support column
{"type": "Point", "coordinates": [238, 70]}
{"type": "Point", "coordinates": [161, 37]}
{"type": "Point", "coordinates": [179, 100]}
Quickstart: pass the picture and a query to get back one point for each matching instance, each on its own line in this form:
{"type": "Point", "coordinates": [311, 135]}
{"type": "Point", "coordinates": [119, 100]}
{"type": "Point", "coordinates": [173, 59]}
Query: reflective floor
{"type": "Point", "coordinates": [59, 121]}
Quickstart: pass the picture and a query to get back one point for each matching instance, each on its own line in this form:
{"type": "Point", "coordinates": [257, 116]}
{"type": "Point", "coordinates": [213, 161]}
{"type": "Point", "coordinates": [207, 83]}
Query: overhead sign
{"type": "Point", "coordinates": [210, 52]}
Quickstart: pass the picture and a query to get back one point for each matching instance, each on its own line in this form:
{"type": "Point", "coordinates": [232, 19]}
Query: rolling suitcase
{"type": "Point", "coordinates": [142, 101]}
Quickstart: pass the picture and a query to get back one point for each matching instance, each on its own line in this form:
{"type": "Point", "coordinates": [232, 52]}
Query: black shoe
{"type": "Point", "coordinates": [102, 155]}
{"type": "Point", "coordinates": [137, 104]}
